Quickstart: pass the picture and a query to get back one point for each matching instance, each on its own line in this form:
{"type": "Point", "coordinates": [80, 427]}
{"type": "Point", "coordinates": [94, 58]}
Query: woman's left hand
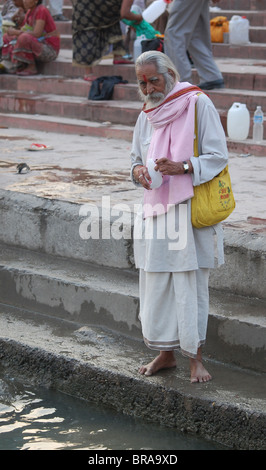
{"type": "Point", "coordinates": [13, 31]}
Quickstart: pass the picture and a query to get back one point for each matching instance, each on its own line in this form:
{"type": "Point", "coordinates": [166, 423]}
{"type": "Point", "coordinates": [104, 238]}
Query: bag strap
{"type": "Point", "coordinates": [196, 148]}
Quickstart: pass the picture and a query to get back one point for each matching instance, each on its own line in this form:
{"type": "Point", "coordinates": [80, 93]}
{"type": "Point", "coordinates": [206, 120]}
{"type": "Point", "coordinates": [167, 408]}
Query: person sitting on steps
{"type": "Point", "coordinates": [36, 41]}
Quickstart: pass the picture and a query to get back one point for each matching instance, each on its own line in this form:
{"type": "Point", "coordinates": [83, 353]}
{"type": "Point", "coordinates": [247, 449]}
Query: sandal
{"type": "Point", "coordinates": [39, 147]}
{"type": "Point", "coordinates": [89, 78]}
{"type": "Point", "coordinates": [122, 61]}
{"type": "Point", "coordinates": [26, 73]}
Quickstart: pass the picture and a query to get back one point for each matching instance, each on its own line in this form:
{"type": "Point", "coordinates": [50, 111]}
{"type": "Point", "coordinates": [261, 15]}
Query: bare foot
{"type": "Point", "coordinates": [28, 70]}
{"type": "Point", "coordinates": [198, 372]}
{"type": "Point", "coordinates": [165, 360]}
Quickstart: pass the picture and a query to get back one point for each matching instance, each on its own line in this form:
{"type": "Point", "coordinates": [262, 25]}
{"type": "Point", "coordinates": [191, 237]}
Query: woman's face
{"type": "Point", "coordinates": [29, 4]}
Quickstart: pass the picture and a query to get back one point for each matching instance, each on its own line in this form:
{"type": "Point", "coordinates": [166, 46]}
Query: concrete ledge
{"type": "Point", "coordinates": [70, 290]}
{"type": "Point", "coordinates": [95, 295]}
{"type": "Point", "coordinates": [99, 366]}
{"type": "Point", "coordinates": [244, 271]}
{"type": "Point", "coordinates": [52, 227]}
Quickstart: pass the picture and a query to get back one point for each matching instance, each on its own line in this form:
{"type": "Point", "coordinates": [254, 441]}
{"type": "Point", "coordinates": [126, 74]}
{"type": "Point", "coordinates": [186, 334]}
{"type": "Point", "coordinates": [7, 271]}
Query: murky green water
{"type": "Point", "coordinates": [41, 419]}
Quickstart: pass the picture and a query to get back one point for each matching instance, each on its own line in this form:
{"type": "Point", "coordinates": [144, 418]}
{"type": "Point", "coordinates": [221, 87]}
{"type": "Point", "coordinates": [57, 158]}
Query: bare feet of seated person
{"type": "Point", "coordinates": [27, 71]}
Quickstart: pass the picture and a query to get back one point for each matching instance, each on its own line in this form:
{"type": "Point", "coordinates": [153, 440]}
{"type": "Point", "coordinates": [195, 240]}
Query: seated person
{"type": "Point", "coordinates": [37, 40]}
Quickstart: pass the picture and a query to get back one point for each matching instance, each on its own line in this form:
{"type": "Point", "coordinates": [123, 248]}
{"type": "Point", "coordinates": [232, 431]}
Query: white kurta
{"type": "Point", "coordinates": [167, 246]}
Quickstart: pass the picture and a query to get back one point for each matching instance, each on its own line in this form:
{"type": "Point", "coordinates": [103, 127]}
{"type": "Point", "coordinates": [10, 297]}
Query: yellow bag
{"type": "Point", "coordinates": [219, 25]}
{"type": "Point", "coordinates": [213, 201]}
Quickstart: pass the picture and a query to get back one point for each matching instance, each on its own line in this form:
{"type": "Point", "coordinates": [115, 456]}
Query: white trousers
{"type": "Point", "coordinates": [188, 29]}
{"type": "Point", "coordinates": [174, 309]}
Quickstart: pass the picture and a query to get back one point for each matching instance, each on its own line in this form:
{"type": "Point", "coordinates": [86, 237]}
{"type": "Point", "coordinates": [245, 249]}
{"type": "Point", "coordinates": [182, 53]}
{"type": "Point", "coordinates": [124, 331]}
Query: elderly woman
{"type": "Point", "coordinates": [96, 29]}
{"type": "Point", "coordinates": [36, 41]}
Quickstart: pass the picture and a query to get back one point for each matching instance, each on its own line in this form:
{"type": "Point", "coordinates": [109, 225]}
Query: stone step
{"type": "Point", "coordinates": [255, 18]}
{"type": "Point", "coordinates": [101, 366]}
{"type": "Point", "coordinates": [253, 11]}
{"type": "Point", "coordinates": [241, 5]}
{"type": "Point", "coordinates": [91, 295]}
{"type": "Point", "coordinates": [257, 35]}
{"type": "Point", "coordinates": [62, 66]}
{"type": "Point", "coordinates": [67, 11]}
{"type": "Point", "coordinates": [257, 32]}
{"type": "Point", "coordinates": [113, 111]}
{"type": "Point", "coordinates": [238, 73]}
{"type": "Point", "coordinates": [59, 85]}
{"type": "Point", "coordinates": [246, 82]}
{"type": "Point", "coordinates": [70, 106]}
{"type": "Point", "coordinates": [64, 28]}
{"type": "Point", "coordinates": [59, 228]}
{"type": "Point", "coordinates": [249, 51]}
{"type": "Point", "coordinates": [255, 49]}
{"type": "Point", "coordinates": [63, 125]}
{"type": "Point", "coordinates": [224, 98]}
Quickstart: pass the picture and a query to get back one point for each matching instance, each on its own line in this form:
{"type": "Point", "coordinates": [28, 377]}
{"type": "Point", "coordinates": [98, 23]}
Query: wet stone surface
{"type": "Point", "coordinates": [84, 169]}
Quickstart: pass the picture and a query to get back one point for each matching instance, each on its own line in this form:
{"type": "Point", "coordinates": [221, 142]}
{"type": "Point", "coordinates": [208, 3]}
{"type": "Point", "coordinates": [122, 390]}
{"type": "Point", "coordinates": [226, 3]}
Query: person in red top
{"type": "Point", "coordinates": [36, 41]}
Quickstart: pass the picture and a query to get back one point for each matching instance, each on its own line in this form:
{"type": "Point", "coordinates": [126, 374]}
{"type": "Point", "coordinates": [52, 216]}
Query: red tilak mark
{"type": "Point", "coordinates": [145, 78]}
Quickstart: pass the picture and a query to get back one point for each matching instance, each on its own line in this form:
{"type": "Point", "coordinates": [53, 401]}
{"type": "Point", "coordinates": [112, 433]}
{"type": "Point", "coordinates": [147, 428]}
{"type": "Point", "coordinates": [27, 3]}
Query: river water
{"type": "Point", "coordinates": [42, 419]}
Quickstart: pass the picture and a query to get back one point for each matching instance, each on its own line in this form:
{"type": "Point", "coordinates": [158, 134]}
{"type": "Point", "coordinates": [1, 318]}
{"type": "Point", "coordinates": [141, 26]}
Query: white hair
{"type": "Point", "coordinates": [161, 61]}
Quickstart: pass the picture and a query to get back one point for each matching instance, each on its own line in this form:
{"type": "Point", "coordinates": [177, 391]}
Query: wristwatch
{"type": "Point", "coordinates": [186, 167]}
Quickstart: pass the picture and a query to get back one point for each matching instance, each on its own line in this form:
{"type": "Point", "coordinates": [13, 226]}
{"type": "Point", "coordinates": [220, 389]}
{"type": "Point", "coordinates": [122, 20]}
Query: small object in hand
{"type": "Point", "coordinates": [156, 176]}
{"type": "Point", "coordinates": [23, 168]}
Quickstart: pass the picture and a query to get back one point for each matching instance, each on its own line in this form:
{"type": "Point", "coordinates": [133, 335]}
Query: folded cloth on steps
{"type": "Point", "coordinates": [102, 88]}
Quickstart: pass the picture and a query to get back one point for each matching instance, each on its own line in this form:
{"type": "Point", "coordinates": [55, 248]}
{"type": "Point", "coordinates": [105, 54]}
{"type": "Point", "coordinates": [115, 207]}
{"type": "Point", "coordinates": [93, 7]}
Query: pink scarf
{"type": "Point", "coordinates": [173, 138]}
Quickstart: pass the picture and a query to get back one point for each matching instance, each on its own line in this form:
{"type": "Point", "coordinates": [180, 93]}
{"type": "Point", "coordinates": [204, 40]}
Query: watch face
{"type": "Point", "coordinates": [186, 166]}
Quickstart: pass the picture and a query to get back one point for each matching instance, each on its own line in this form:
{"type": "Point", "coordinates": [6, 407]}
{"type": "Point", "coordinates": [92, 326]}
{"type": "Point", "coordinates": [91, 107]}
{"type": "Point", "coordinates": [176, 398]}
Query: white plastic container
{"type": "Point", "coordinates": [238, 122]}
{"type": "Point", "coordinates": [156, 176]}
{"type": "Point", "coordinates": [238, 30]}
{"type": "Point", "coordinates": [258, 125]}
{"type": "Point", "coordinates": [154, 10]}
{"type": "Point", "coordinates": [137, 49]}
